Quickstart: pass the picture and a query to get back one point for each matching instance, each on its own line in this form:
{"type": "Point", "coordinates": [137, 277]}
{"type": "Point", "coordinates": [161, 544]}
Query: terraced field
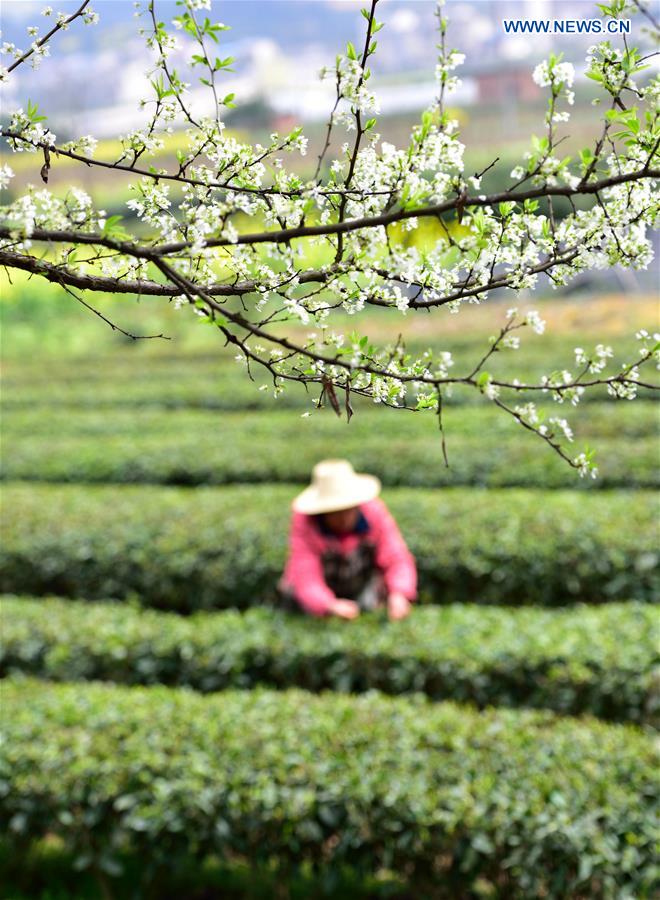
{"type": "Point", "coordinates": [171, 733]}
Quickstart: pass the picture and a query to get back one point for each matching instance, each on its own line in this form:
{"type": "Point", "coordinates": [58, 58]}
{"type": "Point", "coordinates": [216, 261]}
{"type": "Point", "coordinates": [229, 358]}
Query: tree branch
{"type": "Point", "coordinates": [47, 37]}
{"type": "Point", "coordinates": [289, 234]}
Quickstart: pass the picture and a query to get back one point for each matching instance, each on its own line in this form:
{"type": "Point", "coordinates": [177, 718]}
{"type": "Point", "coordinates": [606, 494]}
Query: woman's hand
{"type": "Point", "coordinates": [345, 609]}
{"type": "Point", "coordinates": [398, 606]}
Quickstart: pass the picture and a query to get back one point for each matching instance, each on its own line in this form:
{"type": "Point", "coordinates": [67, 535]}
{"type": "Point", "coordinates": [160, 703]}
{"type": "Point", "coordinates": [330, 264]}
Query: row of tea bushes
{"type": "Point", "coordinates": [518, 804]}
{"type": "Point", "coordinates": [225, 390]}
{"type": "Point", "coordinates": [212, 379]}
{"type": "Point", "coordinates": [183, 549]}
{"type": "Point", "coordinates": [485, 447]}
{"type": "Point", "coordinates": [598, 660]}
{"type": "Point", "coordinates": [638, 419]}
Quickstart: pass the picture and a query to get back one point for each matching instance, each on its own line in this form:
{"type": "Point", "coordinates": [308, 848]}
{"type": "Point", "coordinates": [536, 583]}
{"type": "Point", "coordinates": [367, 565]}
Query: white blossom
{"type": "Point", "coordinates": [585, 466]}
{"type": "Point", "coordinates": [562, 425]}
{"type": "Point", "coordinates": [534, 320]}
{"type": "Point", "coordinates": [6, 174]}
{"type": "Point", "coordinates": [560, 73]}
{"type": "Point", "coordinates": [528, 412]}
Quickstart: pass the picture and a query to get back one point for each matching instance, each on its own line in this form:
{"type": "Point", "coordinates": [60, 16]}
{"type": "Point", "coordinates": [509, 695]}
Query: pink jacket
{"type": "Point", "coordinates": [303, 574]}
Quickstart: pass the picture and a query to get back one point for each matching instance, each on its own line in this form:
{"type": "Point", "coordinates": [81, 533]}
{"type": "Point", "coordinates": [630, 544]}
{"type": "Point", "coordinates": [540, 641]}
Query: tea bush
{"type": "Point", "coordinates": [518, 804]}
{"type": "Point", "coordinates": [599, 660]}
{"type": "Point", "coordinates": [205, 548]}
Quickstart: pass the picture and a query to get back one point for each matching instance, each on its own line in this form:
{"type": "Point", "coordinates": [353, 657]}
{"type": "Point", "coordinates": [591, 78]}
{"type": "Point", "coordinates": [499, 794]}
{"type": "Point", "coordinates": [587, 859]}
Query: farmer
{"type": "Point", "coordinates": [346, 553]}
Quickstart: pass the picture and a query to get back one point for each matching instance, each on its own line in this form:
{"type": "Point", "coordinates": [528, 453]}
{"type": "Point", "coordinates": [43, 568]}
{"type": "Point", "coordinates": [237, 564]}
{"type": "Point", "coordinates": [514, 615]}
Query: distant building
{"type": "Point", "coordinates": [505, 81]}
{"type": "Point", "coordinates": [284, 122]}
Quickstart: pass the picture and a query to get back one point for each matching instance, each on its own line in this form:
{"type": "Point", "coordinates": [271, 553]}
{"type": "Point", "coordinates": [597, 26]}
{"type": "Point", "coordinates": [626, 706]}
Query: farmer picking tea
{"type": "Point", "coordinates": [346, 553]}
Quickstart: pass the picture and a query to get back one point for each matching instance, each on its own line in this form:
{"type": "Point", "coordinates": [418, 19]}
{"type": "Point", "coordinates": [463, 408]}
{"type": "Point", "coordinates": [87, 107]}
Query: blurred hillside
{"type": "Point", "coordinates": [96, 77]}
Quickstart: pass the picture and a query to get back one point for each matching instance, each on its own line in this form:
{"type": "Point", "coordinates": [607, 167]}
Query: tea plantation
{"type": "Point", "coordinates": [169, 732]}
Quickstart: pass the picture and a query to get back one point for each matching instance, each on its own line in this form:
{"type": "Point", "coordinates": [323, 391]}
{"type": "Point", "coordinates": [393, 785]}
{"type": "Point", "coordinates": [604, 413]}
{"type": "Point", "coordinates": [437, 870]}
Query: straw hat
{"type": "Point", "coordinates": [335, 485]}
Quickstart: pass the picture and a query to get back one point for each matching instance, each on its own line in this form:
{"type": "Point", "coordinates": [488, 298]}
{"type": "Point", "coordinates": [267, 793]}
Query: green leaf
{"type": "Point", "coordinates": [33, 112]}
{"type": "Point", "coordinates": [111, 224]}
{"type": "Point", "coordinates": [223, 63]}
